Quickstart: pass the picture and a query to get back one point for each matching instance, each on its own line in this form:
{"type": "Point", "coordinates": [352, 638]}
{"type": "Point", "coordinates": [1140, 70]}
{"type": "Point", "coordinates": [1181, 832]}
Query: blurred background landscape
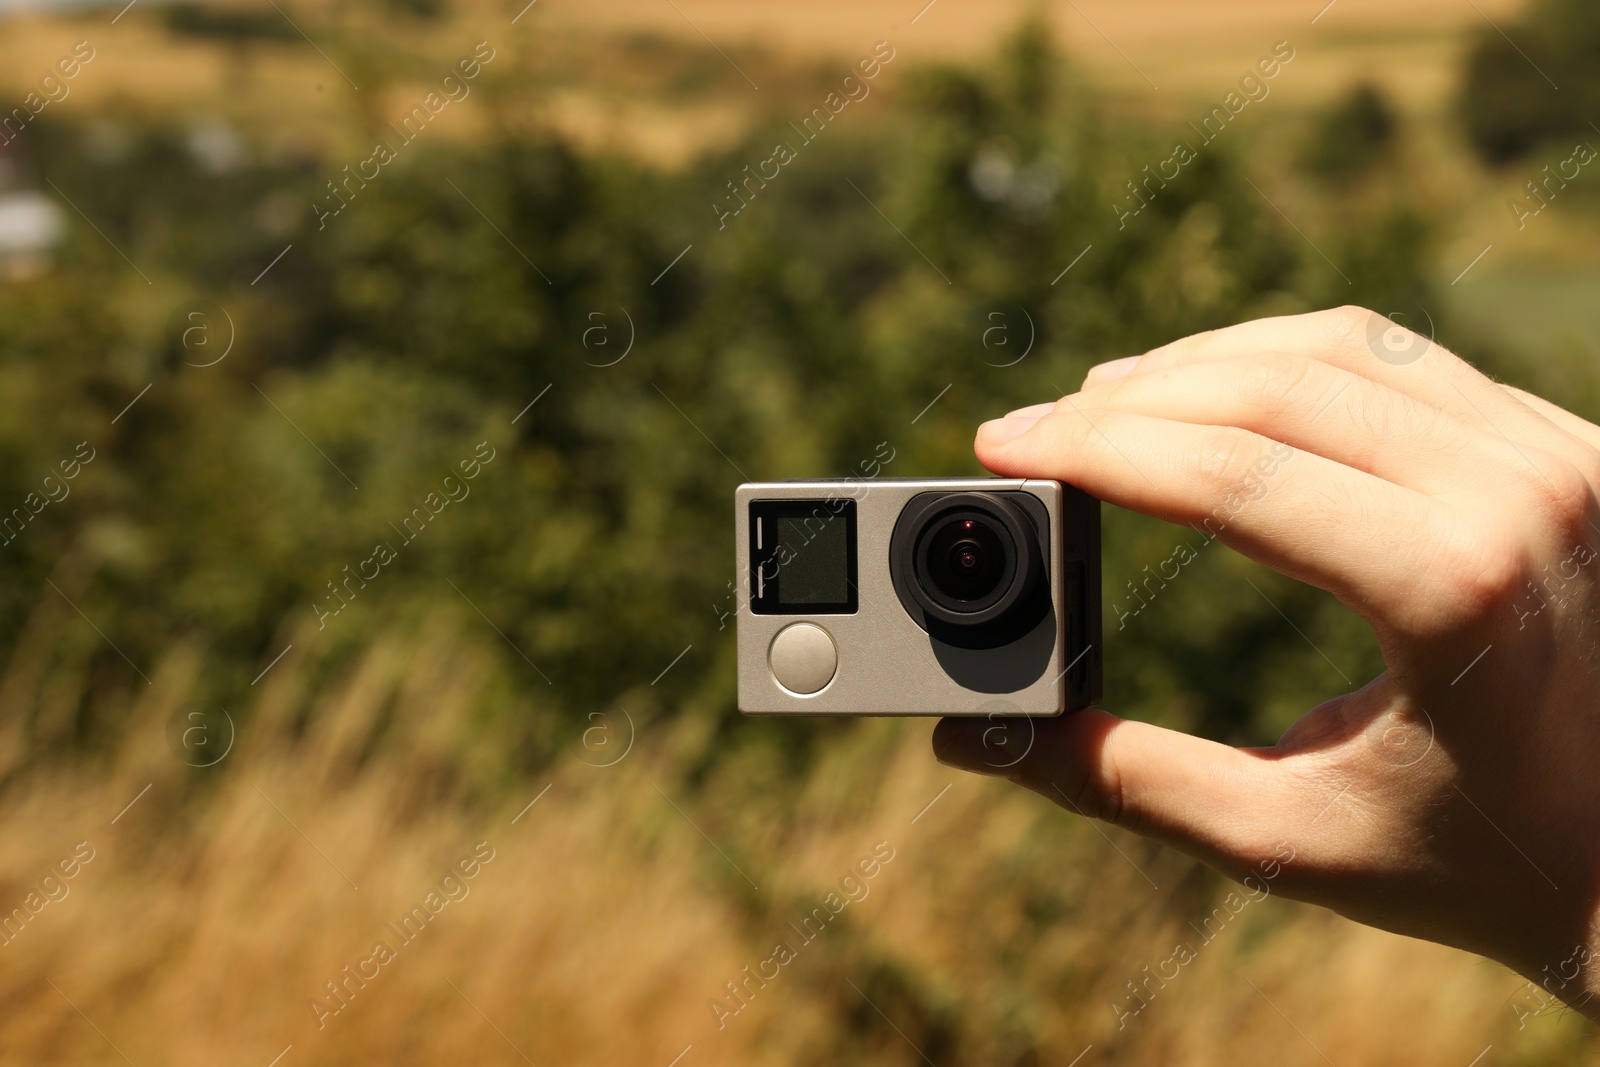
{"type": "Point", "coordinates": [273, 754]}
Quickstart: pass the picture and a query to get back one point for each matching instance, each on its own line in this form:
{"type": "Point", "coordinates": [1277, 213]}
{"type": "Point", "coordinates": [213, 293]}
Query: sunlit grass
{"type": "Point", "coordinates": [615, 909]}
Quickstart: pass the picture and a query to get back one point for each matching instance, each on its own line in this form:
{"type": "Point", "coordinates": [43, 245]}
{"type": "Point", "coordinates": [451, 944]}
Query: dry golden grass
{"type": "Point", "coordinates": [606, 921]}
{"type": "Point", "coordinates": [1161, 57]}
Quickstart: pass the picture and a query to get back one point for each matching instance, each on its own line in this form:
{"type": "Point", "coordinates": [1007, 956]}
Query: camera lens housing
{"type": "Point", "coordinates": [970, 568]}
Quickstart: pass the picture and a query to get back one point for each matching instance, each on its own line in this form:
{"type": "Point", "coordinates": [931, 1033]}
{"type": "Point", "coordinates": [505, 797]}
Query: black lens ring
{"type": "Point", "coordinates": [927, 514]}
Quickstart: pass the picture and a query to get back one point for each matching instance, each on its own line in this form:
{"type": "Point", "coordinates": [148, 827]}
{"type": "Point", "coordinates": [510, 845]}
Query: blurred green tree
{"type": "Point", "coordinates": [1537, 81]}
{"type": "Point", "coordinates": [1352, 137]}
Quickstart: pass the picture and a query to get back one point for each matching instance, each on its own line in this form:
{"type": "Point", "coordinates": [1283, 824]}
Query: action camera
{"type": "Point", "coordinates": [917, 596]}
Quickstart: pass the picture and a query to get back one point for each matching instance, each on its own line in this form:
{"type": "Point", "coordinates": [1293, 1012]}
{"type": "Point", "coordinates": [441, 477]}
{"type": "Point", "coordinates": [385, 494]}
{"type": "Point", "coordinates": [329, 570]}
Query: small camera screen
{"type": "Point", "coordinates": [816, 571]}
{"type": "Point", "coordinates": [803, 557]}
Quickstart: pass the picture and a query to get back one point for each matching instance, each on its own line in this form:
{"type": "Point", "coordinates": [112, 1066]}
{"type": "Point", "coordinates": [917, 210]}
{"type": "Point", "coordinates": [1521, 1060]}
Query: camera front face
{"type": "Point", "coordinates": [917, 597]}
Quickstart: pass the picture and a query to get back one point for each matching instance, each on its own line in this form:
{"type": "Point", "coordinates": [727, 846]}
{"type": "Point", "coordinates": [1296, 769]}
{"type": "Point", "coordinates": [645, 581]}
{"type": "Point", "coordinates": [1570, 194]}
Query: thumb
{"type": "Point", "coordinates": [1220, 804]}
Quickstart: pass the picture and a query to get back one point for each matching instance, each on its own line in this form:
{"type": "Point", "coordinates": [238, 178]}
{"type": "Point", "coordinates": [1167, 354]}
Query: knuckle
{"type": "Point", "coordinates": [1348, 323]}
{"type": "Point", "coordinates": [1483, 576]}
{"type": "Point", "coordinates": [1078, 768]}
{"type": "Point", "coordinates": [1109, 794]}
{"type": "Point", "coordinates": [1097, 793]}
{"type": "Point", "coordinates": [1091, 430]}
{"type": "Point", "coordinates": [1273, 381]}
{"type": "Point", "coordinates": [1224, 457]}
{"type": "Point", "coordinates": [1381, 418]}
{"type": "Point", "coordinates": [1561, 495]}
{"type": "Point", "coordinates": [1087, 801]}
{"type": "Point", "coordinates": [1065, 407]}
{"type": "Point", "coordinates": [1070, 424]}
{"type": "Point", "coordinates": [1351, 313]}
{"type": "Point", "coordinates": [1587, 463]}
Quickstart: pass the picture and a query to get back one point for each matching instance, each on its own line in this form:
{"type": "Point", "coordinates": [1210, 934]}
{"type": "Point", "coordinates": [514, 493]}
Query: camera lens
{"type": "Point", "coordinates": [966, 559]}
{"type": "Point", "coordinates": [970, 568]}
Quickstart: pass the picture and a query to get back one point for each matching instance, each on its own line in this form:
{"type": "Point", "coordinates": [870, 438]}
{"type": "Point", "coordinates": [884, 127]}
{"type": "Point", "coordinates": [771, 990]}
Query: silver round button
{"type": "Point", "coordinates": [803, 658]}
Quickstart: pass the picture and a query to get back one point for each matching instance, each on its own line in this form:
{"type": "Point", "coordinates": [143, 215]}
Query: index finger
{"type": "Point", "coordinates": [1390, 552]}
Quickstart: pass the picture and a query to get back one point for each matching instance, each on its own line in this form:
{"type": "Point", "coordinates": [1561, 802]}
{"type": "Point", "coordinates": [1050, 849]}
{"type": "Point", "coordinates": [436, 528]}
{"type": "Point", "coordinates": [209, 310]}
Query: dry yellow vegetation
{"type": "Point", "coordinates": [615, 909]}
{"type": "Point", "coordinates": [1160, 55]}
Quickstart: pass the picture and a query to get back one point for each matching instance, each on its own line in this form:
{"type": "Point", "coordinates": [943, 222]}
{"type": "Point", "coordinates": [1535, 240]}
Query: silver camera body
{"type": "Point", "coordinates": [917, 596]}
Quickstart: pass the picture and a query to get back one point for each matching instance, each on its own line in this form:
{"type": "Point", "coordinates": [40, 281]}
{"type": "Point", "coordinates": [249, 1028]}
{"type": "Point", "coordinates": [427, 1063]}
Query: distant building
{"type": "Point", "coordinates": [31, 226]}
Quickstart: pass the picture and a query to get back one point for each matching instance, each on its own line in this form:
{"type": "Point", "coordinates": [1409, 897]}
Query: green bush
{"type": "Point", "coordinates": [1352, 137]}
{"type": "Point", "coordinates": [1537, 81]}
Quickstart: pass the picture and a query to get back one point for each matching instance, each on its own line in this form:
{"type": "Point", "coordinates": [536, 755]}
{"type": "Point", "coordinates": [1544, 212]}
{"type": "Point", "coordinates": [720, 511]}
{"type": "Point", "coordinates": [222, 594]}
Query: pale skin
{"type": "Point", "coordinates": [1463, 808]}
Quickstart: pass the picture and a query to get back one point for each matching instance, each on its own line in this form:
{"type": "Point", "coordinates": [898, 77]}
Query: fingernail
{"type": "Point", "coordinates": [1000, 431]}
{"type": "Point", "coordinates": [1032, 410]}
{"type": "Point", "coordinates": [1112, 370]}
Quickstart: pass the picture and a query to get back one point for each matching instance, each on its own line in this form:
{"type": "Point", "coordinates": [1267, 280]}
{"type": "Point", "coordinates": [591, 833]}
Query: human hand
{"type": "Point", "coordinates": [1455, 797]}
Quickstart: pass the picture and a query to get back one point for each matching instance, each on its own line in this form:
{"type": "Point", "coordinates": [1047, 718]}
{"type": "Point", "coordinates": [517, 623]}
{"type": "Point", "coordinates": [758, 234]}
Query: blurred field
{"type": "Point", "coordinates": [603, 80]}
{"type": "Point", "coordinates": [1188, 46]}
{"type": "Point", "coordinates": [1002, 931]}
